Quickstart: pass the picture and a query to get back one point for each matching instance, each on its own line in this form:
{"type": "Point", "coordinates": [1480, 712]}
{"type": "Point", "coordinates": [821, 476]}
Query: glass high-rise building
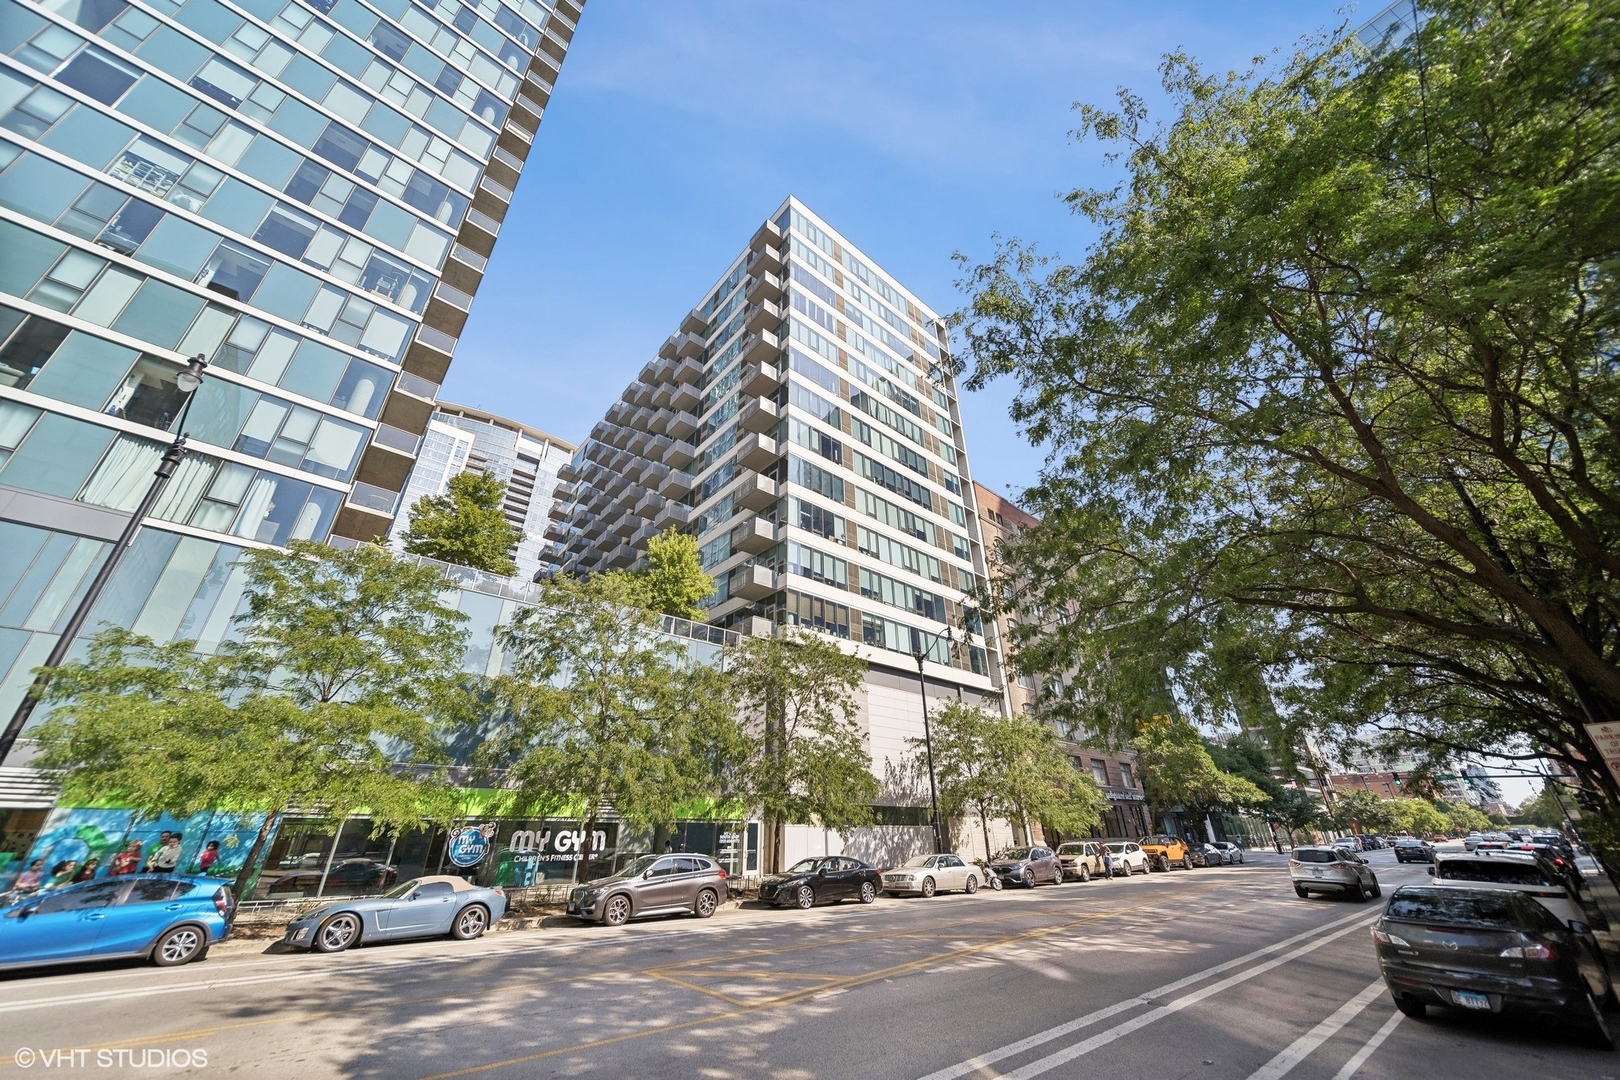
{"type": "Point", "coordinates": [802, 424]}
{"type": "Point", "coordinates": [462, 439]}
{"type": "Point", "coordinates": [304, 192]}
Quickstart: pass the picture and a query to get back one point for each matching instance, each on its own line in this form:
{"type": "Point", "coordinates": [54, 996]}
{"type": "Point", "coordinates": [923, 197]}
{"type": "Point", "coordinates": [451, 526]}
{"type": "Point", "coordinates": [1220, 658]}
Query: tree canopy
{"type": "Point", "coordinates": [674, 578]}
{"type": "Point", "coordinates": [1331, 400]}
{"type": "Point", "coordinates": [465, 525]}
{"type": "Point", "coordinates": [1177, 770]}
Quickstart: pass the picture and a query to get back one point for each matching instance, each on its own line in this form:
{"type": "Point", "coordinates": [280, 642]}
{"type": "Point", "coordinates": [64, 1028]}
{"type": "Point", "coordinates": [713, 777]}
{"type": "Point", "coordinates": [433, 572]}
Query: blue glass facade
{"type": "Point", "coordinates": [305, 192]}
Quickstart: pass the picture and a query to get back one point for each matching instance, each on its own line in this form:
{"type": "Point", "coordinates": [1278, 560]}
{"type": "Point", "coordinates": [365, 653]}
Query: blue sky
{"type": "Point", "coordinates": [917, 129]}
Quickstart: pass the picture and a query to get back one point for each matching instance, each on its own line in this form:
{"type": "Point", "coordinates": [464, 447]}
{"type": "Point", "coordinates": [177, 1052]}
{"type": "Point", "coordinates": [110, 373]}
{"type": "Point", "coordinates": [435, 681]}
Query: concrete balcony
{"type": "Point", "coordinates": [681, 425]}
{"type": "Point", "coordinates": [676, 514]}
{"type": "Point", "coordinates": [694, 324]}
{"type": "Point", "coordinates": [757, 494]}
{"type": "Point", "coordinates": [758, 415]}
{"type": "Point", "coordinates": [759, 380]}
{"type": "Point", "coordinates": [680, 454]}
{"type": "Point", "coordinates": [758, 452]}
{"type": "Point", "coordinates": [765, 287]}
{"type": "Point", "coordinates": [753, 582]}
{"type": "Point", "coordinates": [689, 347]}
{"type": "Point", "coordinates": [762, 316]}
{"type": "Point", "coordinates": [685, 397]}
{"type": "Point", "coordinates": [762, 348]}
{"type": "Point", "coordinates": [755, 536]}
{"type": "Point", "coordinates": [767, 235]}
{"type": "Point", "coordinates": [621, 557]}
{"type": "Point", "coordinates": [765, 260]}
{"type": "Point", "coordinates": [675, 485]}
{"type": "Point", "coordinates": [688, 371]}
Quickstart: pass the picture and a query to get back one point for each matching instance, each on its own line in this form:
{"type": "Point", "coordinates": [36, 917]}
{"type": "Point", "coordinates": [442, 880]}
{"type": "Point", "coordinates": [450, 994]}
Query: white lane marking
{"type": "Point", "coordinates": [1304, 1046]}
{"type": "Point", "coordinates": [1359, 1058]}
{"type": "Point", "coordinates": [990, 1057]}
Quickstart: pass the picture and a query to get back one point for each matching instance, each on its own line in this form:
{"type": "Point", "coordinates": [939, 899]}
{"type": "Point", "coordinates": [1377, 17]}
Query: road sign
{"type": "Point", "coordinates": [1606, 737]}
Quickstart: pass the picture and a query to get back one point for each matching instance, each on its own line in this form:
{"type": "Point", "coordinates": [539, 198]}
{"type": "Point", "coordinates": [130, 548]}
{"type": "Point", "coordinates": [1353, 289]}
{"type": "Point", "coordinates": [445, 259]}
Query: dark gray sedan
{"type": "Point", "coordinates": [419, 908]}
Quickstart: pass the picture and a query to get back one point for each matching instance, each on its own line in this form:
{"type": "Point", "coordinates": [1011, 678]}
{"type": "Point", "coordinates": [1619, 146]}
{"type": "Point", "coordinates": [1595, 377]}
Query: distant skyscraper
{"type": "Point", "coordinates": [461, 439]}
{"type": "Point", "coordinates": [306, 193]}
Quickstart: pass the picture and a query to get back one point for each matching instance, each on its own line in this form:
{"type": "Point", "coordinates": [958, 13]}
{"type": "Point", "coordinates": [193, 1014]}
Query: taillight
{"type": "Point", "coordinates": [722, 873]}
{"type": "Point", "coordinates": [500, 892]}
{"type": "Point", "coordinates": [1389, 939]}
{"type": "Point", "coordinates": [1537, 951]}
{"type": "Point", "coordinates": [1293, 863]}
{"type": "Point", "coordinates": [222, 901]}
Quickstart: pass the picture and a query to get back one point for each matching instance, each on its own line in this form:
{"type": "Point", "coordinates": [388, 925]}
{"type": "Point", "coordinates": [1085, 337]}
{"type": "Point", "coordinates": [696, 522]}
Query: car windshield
{"type": "Point", "coordinates": [1116, 848]}
{"type": "Point", "coordinates": [1306, 854]}
{"type": "Point", "coordinates": [636, 868]}
{"type": "Point", "coordinates": [1158, 839]}
{"type": "Point", "coordinates": [401, 889]}
{"type": "Point", "coordinates": [1453, 907]}
{"type": "Point", "coordinates": [1501, 872]}
{"type": "Point", "coordinates": [804, 866]}
{"type": "Point", "coordinates": [1013, 853]}
{"type": "Point", "coordinates": [920, 861]}
{"type": "Point", "coordinates": [1072, 849]}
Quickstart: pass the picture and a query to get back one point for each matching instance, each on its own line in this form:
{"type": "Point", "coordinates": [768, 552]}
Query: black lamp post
{"type": "Point", "coordinates": [919, 655]}
{"type": "Point", "coordinates": [188, 380]}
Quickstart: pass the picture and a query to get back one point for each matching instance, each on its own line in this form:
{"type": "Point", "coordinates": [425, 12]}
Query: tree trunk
{"type": "Point", "coordinates": [244, 875]}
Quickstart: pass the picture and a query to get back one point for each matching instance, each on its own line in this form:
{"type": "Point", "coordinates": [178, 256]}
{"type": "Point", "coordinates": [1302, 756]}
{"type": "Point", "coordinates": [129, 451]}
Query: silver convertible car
{"type": "Point", "coordinates": [421, 907]}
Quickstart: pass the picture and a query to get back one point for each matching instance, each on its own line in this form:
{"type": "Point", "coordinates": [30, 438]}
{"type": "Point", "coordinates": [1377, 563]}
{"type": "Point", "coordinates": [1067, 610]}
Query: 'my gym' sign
{"type": "Point", "coordinates": [560, 843]}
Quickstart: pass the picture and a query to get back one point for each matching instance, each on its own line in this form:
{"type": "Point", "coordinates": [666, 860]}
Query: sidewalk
{"type": "Point", "coordinates": [1602, 900]}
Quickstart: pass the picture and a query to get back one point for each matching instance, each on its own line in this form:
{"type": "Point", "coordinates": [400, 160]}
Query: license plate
{"type": "Point", "coordinates": [1316, 871]}
{"type": "Point", "coordinates": [1470, 1000]}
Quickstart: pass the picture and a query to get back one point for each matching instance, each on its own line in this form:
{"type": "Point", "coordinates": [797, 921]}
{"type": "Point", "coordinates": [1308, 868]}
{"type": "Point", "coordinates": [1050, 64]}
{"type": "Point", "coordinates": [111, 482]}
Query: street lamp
{"type": "Point", "coordinates": [187, 381]}
{"type": "Point", "coordinates": [919, 655]}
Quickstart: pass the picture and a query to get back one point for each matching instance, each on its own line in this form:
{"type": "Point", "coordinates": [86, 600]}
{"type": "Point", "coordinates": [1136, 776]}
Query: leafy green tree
{"type": "Point", "coordinates": [808, 758]}
{"type": "Point", "coordinates": [1420, 817]}
{"type": "Point", "coordinates": [1462, 818]}
{"type": "Point", "coordinates": [603, 709]}
{"type": "Point", "coordinates": [1177, 770]}
{"type": "Point", "coordinates": [996, 766]}
{"type": "Point", "coordinates": [674, 578]}
{"type": "Point", "coordinates": [465, 525]}
{"type": "Point", "coordinates": [1294, 809]}
{"type": "Point", "coordinates": [1543, 809]}
{"type": "Point", "coordinates": [1330, 400]}
{"type": "Point", "coordinates": [340, 662]}
{"type": "Point", "coordinates": [1365, 812]}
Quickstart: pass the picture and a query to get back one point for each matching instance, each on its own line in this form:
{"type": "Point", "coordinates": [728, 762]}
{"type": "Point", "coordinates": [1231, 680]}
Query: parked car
{"type": "Point", "coordinates": [828, 877]}
{"type": "Point", "coordinates": [651, 885]}
{"type": "Point", "coordinates": [1332, 870]}
{"type": "Point", "coordinates": [1522, 871]}
{"type": "Point", "coordinates": [1230, 852]}
{"type": "Point", "coordinates": [1349, 843]}
{"type": "Point", "coordinates": [927, 874]}
{"type": "Point", "coordinates": [431, 906]}
{"type": "Point", "coordinates": [1164, 851]}
{"type": "Point", "coordinates": [1411, 849]}
{"type": "Point", "coordinates": [1128, 858]}
{"type": "Point", "coordinates": [1490, 950]}
{"type": "Point", "coordinates": [1212, 855]}
{"type": "Point", "coordinates": [1081, 860]}
{"type": "Point", "coordinates": [169, 920]}
{"type": "Point", "coordinates": [1027, 866]}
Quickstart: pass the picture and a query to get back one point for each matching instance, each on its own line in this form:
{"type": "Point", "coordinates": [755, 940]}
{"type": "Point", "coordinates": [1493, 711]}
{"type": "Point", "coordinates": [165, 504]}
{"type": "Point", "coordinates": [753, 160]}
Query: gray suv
{"type": "Point", "coordinates": [652, 885]}
{"type": "Point", "coordinates": [1027, 866]}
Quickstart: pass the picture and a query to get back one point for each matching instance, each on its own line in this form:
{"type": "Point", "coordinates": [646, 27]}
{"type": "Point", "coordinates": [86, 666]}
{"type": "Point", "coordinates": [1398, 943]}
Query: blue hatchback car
{"type": "Point", "coordinates": [170, 919]}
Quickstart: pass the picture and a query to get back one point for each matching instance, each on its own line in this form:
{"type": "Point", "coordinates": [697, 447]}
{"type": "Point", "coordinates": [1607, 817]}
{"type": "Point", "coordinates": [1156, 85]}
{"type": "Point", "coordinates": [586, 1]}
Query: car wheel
{"type": "Point", "coordinates": [471, 923]}
{"type": "Point", "coordinates": [1411, 1007]}
{"type": "Point", "coordinates": [1240, 858]}
{"type": "Point", "coordinates": [179, 946]}
{"type": "Point", "coordinates": [927, 887]}
{"type": "Point", "coordinates": [1302, 892]}
{"type": "Point", "coordinates": [804, 898]}
{"type": "Point", "coordinates": [1358, 894]}
{"type": "Point", "coordinates": [1128, 869]}
{"type": "Point", "coordinates": [616, 912]}
{"type": "Point", "coordinates": [1029, 878]}
{"type": "Point", "coordinates": [996, 884]}
{"type": "Point", "coordinates": [708, 901]}
{"type": "Point", "coordinates": [1085, 873]}
{"type": "Point", "coordinates": [1377, 889]}
{"type": "Point", "coordinates": [337, 933]}
{"type": "Point", "coordinates": [972, 885]}
{"type": "Point", "coordinates": [868, 892]}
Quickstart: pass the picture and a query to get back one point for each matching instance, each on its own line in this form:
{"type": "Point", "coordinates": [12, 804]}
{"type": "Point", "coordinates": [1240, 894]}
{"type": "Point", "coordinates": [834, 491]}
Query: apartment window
{"type": "Point", "coordinates": [1099, 771]}
{"type": "Point", "coordinates": [1126, 777]}
{"type": "Point", "coordinates": [811, 439]}
{"type": "Point", "coordinates": [812, 518]}
{"type": "Point", "coordinates": [814, 613]}
{"type": "Point", "coordinates": [817, 566]}
{"type": "Point", "coordinates": [815, 478]}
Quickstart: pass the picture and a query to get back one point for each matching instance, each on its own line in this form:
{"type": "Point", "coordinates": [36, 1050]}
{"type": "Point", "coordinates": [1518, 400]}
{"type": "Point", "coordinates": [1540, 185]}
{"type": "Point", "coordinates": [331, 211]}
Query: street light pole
{"type": "Point", "coordinates": [188, 381]}
{"type": "Point", "coordinates": [928, 738]}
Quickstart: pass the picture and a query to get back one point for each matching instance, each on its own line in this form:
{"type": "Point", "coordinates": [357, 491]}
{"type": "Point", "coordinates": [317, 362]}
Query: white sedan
{"type": "Point", "coordinates": [1126, 858]}
{"type": "Point", "coordinates": [927, 874]}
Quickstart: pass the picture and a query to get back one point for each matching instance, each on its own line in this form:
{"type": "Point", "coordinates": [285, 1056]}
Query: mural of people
{"type": "Point", "coordinates": [126, 861]}
{"type": "Point", "coordinates": [87, 872]}
{"type": "Point", "coordinates": [209, 856]}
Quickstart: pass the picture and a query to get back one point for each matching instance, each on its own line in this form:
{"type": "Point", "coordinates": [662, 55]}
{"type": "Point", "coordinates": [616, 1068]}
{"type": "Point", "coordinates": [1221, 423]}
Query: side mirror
{"type": "Point", "coordinates": [413, 896]}
{"type": "Point", "coordinates": [24, 912]}
{"type": "Point", "coordinates": [1579, 927]}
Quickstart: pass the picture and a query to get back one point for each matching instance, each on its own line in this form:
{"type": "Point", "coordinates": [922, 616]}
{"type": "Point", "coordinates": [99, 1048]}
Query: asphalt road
{"type": "Point", "coordinates": [1214, 974]}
